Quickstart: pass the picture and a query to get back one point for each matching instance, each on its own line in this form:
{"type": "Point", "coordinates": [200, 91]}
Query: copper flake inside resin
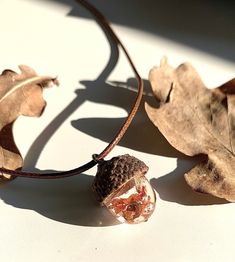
{"type": "Point", "coordinates": [136, 204]}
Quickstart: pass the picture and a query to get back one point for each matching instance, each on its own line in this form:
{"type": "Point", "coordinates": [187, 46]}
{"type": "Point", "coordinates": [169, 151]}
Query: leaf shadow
{"type": "Point", "coordinates": [172, 187]}
{"type": "Point", "coordinates": [142, 135]}
{"type": "Point", "coordinates": [204, 25]}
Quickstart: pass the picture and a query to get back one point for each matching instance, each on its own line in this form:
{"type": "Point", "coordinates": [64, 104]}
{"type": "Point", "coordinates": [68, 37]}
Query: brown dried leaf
{"type": "Point", "coordinates": [20, 94]}
{"type": "Point", "coordinates": [197, 120]}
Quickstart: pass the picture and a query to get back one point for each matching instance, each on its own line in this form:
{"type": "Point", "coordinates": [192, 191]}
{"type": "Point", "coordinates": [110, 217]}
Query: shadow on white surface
{"type": "Point", "coordinates": [204, 25]}
{"type": "Point", "coordinates": [68, 200]}
{"type": "Point", "coordinates": [172, 187]}
{"type": "Point", "coordinates": [142, 135]}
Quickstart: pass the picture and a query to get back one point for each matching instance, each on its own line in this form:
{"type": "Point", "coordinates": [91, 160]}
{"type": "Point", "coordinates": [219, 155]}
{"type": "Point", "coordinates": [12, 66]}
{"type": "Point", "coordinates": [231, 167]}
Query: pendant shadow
{"type": "Point", "coordinates": [67, 200]}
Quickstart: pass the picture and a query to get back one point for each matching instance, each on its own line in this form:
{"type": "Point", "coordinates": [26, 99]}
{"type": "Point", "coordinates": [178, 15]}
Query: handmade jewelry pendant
{"type": "Point", "coordinates": [121, 186]}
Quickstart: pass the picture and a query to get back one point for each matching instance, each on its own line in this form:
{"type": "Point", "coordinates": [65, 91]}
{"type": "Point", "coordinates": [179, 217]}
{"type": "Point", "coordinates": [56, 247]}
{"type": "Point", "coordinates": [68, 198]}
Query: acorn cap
{"type": "Point", "coordinates": [113, 174]}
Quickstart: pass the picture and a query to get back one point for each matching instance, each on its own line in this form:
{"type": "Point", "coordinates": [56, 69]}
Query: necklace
{"type": "Point", "coordinates": [120, 183]}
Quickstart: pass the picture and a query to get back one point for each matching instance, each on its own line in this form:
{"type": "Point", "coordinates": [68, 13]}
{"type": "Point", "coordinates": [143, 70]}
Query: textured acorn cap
{"type": "Point", "coordinates": [113, 174]}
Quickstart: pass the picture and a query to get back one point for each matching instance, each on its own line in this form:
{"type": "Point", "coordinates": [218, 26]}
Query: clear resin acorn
{"type": "Point", "coordinates": [120, 185]}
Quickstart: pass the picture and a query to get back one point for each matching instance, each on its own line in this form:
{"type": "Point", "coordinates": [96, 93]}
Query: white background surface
{"type": "Point", "coordinates": [59, 220]}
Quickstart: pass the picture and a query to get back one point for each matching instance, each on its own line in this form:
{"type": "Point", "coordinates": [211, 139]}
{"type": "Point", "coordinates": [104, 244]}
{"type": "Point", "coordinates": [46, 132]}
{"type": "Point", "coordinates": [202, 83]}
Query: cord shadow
{"type": "Point", "coordinates": [67, 200]}
{"type": "Point", "coordinates": [172, 187]}
{"type": "Point", "coordinates": [81, 97]}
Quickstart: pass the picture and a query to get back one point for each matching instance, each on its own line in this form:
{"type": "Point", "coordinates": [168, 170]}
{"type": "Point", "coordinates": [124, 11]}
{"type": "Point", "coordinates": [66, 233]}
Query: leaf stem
{"type": "Point", "coordinates": [28, 81]}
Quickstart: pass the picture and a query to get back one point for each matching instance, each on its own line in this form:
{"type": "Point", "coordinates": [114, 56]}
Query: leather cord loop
{"type": "Point", "coordinates": [96, 157]}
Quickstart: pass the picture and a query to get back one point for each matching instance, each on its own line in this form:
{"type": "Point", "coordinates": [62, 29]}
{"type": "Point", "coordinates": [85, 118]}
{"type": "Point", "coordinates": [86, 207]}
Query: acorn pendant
{"type": "Point", "coordinates": [120, 185]}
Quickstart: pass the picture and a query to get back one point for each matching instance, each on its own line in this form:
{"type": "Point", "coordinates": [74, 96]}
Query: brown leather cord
{"type": "Point", "coordinates": [97, 157]}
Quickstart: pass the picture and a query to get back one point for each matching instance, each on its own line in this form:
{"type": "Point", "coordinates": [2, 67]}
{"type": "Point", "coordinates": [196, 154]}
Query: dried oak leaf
{"type": "Point", "coordinates": [197, 120]}
{"type": "Point", "coordinates": [20, 94]}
